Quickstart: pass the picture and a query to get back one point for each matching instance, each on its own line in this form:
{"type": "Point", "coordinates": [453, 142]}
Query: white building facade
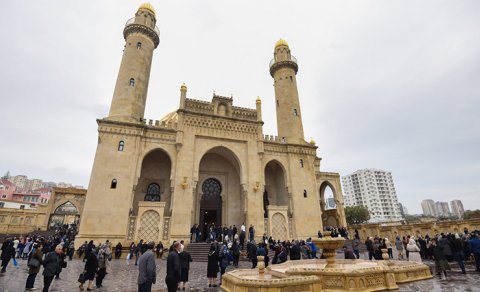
{"type": "Point", "coordinates": [374, 189]}
{"type": "Point", "coordinates": [457, 208]}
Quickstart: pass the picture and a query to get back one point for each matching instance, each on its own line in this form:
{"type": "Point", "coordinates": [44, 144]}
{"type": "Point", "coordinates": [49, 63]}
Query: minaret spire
{"type": "Point", "coordinates": [141, 38]}
{"type": "Point", "coordinates": [283, 69]}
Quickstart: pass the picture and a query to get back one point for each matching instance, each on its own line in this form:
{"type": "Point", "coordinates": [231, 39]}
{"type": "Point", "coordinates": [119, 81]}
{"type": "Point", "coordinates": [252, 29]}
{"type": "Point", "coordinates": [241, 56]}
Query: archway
{"type": "Point", "coordinates": [218, 192]}
{"type": "Point", "coordinates": [275, 192]}
{"type": "Point", "coordinates": [328, 204]}
{"type": "Point", "coordinates": [154, 181]}
{"type": "Point", "coordinates": [66, 213]}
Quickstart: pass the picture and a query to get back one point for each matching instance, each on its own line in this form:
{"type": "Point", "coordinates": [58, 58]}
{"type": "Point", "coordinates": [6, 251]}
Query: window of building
{"type": "Point", "coordinates": [304, 193]}
{"type": "Point", "coordinates": [283, 140]}
{"type": "Point", "coordinates": [295, 113]}
{"type": "Point", "coordinates": [121, 145]}
{"type": "Point", "coordinates": [301, 163]}
{"type": "Point", "coordinates": [139, 45]}
{"type": "Point", "coordinates": [2, 204]}
{"type": "Point", "coordinates": [132, 82]}
{"type": "Point", "coordinates": [153, 193]}
{"type": "Point", "coordinates": [113, 185]}
{"type": "Point", "coordinates": [4, 196]}
{"type": "Point", "coordinates": [22, 207]}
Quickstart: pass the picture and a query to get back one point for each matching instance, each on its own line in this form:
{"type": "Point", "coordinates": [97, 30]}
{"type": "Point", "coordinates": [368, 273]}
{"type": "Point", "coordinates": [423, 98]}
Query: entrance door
{"type": "Point", "coordinates": [210, 205]}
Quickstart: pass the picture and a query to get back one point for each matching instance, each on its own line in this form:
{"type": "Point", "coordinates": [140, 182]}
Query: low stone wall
{"type": "Point", "coordinates": [18, 221]}
{"type": "Point", "coordinates": [391, 229]}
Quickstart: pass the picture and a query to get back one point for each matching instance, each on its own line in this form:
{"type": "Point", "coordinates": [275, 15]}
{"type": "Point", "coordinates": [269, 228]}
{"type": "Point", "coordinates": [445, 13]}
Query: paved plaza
{"type": "Point", "coordinates": [123, 276]}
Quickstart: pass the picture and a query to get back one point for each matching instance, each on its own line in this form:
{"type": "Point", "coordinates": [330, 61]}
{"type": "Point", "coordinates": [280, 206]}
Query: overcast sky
{"type": "Point", "coordinates": [393, 85]}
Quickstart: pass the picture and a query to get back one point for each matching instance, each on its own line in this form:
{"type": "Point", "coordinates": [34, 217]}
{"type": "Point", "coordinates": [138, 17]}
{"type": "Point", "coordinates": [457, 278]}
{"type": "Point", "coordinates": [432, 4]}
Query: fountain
{"type": "Point", "coordinates": [326, 275]}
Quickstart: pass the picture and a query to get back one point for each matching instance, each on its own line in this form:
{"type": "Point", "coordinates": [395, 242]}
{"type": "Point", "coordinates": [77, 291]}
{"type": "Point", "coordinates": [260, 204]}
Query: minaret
{"type": "Point", "coordinates": [141, 38]}
{"type": "Point", "coordinates": [283, 69]}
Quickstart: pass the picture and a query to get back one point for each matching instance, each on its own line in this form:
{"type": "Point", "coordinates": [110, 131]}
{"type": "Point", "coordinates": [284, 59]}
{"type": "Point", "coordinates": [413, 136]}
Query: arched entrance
{"type": "Point", "coordinates": [211, 203]}
{"type": "Point", "coordinates": [154, 182]}
{"type": "Point", "coordinates": [218, 192]}
{"type": "Point", "coordinates": [275, 192]}
{"type": "Point", "coordinates": [328, 205]}
{"type": "Point", "coordinates": [66, 213]}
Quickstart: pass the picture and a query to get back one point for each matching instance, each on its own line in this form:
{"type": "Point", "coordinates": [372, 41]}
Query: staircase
{"type": "Point", "coordinates": [199, 252]}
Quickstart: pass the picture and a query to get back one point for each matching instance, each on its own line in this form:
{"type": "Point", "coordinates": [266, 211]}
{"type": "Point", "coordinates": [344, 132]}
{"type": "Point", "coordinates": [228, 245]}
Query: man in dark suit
{"type": "Point", "coordinates": [147, 269]}
{"type": "Point", "coordinates": [173, 268]}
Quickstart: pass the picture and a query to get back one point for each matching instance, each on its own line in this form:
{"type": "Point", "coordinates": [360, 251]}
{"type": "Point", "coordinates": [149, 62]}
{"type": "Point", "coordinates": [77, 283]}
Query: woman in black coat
{"type": "Point", "coordinates": [185, 259]}
{"type": "Point", "coordinates": [8, 252]}
{"type": "Point", "coordinates": [212, 266]}
{"type": "Point", "coordinates": [91, 267]}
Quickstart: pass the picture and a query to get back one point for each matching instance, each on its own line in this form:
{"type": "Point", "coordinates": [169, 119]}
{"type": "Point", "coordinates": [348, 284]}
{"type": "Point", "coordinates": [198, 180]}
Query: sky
{"type": "Point", "coordinates": [392, 85]}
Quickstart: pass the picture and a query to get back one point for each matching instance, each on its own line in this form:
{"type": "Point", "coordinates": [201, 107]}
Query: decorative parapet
{"type": "Point", "coordinates": [159, 124]}
{"type": "Point", "coordinates": [272, 138]}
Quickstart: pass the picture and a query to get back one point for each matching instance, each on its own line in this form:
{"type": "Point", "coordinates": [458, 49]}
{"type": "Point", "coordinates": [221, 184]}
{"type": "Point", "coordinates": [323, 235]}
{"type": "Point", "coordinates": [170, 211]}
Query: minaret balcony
{"type": "Point", "coordinates": [132, 26]}
{"type": "Point", "coordinates": [277, 64]}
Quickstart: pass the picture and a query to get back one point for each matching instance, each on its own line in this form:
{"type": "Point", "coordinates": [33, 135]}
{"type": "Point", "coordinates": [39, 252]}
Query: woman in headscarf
{"type": "Point", "coordinates": [212, 266]}
{"type": "Point", "coordinates": [414, 251]}
{"type": "Point", "coordinates": [91, 266]}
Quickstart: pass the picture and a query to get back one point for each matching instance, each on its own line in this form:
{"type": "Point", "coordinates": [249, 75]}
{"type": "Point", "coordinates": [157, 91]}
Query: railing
{"type": "Point", "coordinates": [292, 58]}
{"type": "Point", "coordinates": [272, 138]}
{"type": "Point", "coordinates": [159, 124]}
{"type": "Point", "coordinates": [132, 21]}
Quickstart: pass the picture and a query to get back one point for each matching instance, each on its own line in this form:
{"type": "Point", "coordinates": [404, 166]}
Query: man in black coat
{"type": "Point", "coordinates": [51, 265]}
{"type": "Point", "coordinates": [295, 251]}
{"type": "Point", "coordinates": [173, 268]}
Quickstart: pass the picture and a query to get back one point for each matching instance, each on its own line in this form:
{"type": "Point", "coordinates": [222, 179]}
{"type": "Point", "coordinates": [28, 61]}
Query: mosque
{"type": "Point", "coordinates": [206, 162]}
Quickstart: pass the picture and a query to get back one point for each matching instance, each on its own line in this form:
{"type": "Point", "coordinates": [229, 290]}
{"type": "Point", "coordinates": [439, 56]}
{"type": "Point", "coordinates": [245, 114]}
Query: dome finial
{"type": "Point", "coordinates": [312, 141]}
{"type": "Point", "coordinates": [281, 42]}
{"type": "Point", "coordinates": [148, 7]}
{"type": "Point", "coordinates": [258, 100]}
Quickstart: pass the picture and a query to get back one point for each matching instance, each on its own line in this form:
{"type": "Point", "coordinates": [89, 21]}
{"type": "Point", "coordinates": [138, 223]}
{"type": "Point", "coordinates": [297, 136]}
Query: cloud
{"type": "Point", "coordinates": [390, 85]}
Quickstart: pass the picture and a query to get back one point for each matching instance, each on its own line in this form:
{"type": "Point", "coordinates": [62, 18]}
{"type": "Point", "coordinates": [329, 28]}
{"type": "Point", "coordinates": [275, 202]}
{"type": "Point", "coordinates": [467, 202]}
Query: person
{"type": "Point", "coordinates": [33, 270]}
{"type": "Point", "coordinates": [8, 252]}
{"type": "Point", "coordinates": [441, 264]}
{"type": "Point", "coordinates": [62, 263]}
{"type": "Point", "coordinates": [474, 244]}
{"type": "Point", "coordinates": [185, 259]}
{"type": "Point", "coordinates": [212, 265]}
{"type": "Point", "coordinates": [224, 260]}
{"type": "Point", "coordinates": [251, 232]}
{"type": "Point", "coordinates": [295, 253]}
{"type": "Point", "coordinates": [173, 268]}
{"type": "Point", "coordinates": [399, 247]}
{"type": "Point", "coordinates": [235, 253]}
{"type": "Point", "coordinates": [252, 253]}
{"type": "Point", "coordinates": [356, 247]}
{"type": "Point", "coordinates": [71, 250]}
{"type": "Point", "coordinates": [413, 251]}
{"type": "Point", "coordinates": [389, 247]}
{"type": "Point", "coordinates": [118, 250]}
{"type": "Point", "coordinates": [102, 265]}
{"type": "Point", "coordinates": [369, 245]}
{"type": "Point", "coordinates": [348, 253]}
{"type": "Point", "coordinates": [457, 250]}
{"type": "Point", "coordinates": [192, 232]}
{"type": "Point", "coordinates": [138, 251]}
{"type": "Point", "coordinates": [51, 265]}
{"type": "Point", "coordinates": [88, 250]}
{"type": "Point", "coordinates": [131, 250]}
{"type": "Point", "coordinates": [159, 250]}
{"type": "Point", "coordinates": [147, 269]}
{"type": "Point", "coordinates": [91, 266]}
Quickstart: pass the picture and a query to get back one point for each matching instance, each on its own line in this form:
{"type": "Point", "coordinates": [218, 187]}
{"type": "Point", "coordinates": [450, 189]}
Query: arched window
{"type": "Point", "coordinates": [295, 113]}
{"type": "Point", "coordinates": [304, 193]}
{"type": "Point", "coordinates": [153, 193]}
{"type": "Point", "coordinates": [301, 163]}
{"type": "Point", "coordinates": [113, 185]}
{"type": "Point", "coordinates": [139, 45]}
{"type": "Point", "coordinates": [132, 82]}
{"type": "Point", "coordinates": [121, 145]}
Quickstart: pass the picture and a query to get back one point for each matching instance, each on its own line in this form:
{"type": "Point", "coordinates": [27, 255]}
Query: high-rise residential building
{"type": "Point", "coordinates": [20, 181]}
{"type": "Point", "coordinates": [443, 210]}
{"type": "Point", "coordinates": [33, 184]}
{"type": "Point", "coordinates": [429, 208]}
{"type": "Point", "coordinates": [457, 208]}
{"type": "Point", "coordinates": [374, 189]}
{"type": "Point", "coordinates": [330, 203]}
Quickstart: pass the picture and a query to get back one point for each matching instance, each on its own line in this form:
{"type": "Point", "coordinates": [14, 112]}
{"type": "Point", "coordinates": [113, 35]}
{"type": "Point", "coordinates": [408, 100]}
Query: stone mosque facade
{"type": "Point", "coordinates": [207, 162]}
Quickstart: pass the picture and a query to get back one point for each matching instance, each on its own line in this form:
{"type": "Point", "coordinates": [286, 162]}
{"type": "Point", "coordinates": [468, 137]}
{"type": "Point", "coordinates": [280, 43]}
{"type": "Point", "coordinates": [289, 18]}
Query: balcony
{"type": "Point", "coordinates": [132, 21]}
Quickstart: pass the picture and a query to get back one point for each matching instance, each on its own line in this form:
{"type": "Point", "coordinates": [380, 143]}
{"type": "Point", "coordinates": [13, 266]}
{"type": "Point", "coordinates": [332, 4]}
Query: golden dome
{"type": "Point", "coordinates": [312, 141]}
{"type": "Point", "coordinates": [258, 100]}
{"type": "Point", "coordinates": [183, 87]}
{"type": "Point", "coordinates": [148, 7]}
{"type": "Point", "coordinates": [281, 42]}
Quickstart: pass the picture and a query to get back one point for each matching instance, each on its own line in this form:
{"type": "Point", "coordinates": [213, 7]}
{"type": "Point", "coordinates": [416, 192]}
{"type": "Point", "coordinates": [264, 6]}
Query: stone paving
{"type": "Point", "coordinates": [123, 275]}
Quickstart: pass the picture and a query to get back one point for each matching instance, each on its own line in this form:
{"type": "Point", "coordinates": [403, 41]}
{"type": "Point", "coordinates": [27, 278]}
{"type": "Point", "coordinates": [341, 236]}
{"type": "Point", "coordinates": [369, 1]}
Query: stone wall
{"type": "Point", "coordinates": [21, 221]}
{"type": "Point", "coordinates": [391, 229]}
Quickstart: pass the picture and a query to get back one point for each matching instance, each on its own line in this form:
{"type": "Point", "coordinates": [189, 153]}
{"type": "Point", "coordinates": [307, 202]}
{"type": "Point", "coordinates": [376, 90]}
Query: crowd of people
{"type": "Point", "coordinates": [443, 249]}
